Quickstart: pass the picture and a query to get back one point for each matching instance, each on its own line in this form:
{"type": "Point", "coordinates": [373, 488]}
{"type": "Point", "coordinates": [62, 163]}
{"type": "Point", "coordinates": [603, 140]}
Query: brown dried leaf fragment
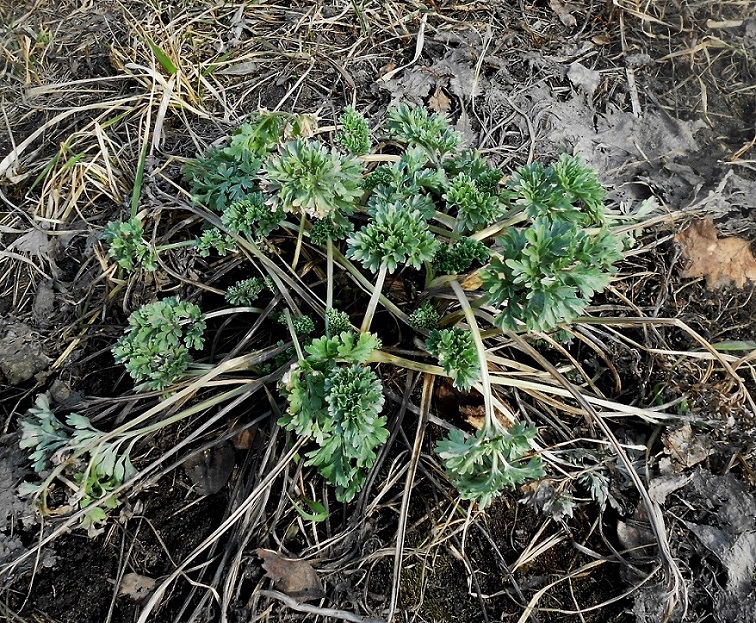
{"type": "Point", "coordinates": [563, 13]}
{"type": "Point", "coordinates": [439, 102]}
{"type": "Point", "coordinates": [136, 587]}
{"type": "Point", "coordinates": [722, 261]}
{"type": "Point", "coordinates": [687, 447]}
{"type": "Point", "coordinates": [294, 577]}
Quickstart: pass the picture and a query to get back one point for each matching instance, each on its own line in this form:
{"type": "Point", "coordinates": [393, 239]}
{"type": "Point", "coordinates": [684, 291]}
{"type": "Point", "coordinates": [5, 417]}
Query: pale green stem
{"type": "Point", "coordinates": [380, 356]}
{"type": "Point", "coordinates": [329, 275]}
{"type": "Point", "coordinates": [481, 349]}
{"type": "Point", "coordinates": [361, 280]}
{"type": "Point", "coordinates": [298, 249]}
{"type": "Point", "coordinates": [175, 245]}
{"type": "Point", "coordinates": [290, 324]}
{"type": "Point", "coordinates": [374, 299]}
{"type": "Point", "coordinates": [233, 310]}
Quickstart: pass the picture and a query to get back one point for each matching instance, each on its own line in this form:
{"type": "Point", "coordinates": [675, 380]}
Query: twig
{"type": "Point", "coordinates": [292, 603]}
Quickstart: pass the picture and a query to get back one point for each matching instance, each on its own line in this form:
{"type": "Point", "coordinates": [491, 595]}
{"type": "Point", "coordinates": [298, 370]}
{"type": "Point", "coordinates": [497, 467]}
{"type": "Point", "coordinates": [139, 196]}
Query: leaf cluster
{"type": "Point", "coordinates": [425, 317]}
{"type": "Point", "coordinates": [252, 217]}
{"type": "Point", "coordinates": [394, 236]}
{"type": "Point", "coordinates": [455, 350]}
{"type": "Point", "coordinates": [155, 348]}
{"type": "Point", "coordinates": [416, 127]}
{"type": "Point", "coordinates": [306, 177]}
{"type": "Point", "coordinates": [471, 163]}
{"type": "Point", "coordinates": [458, 257]}
{"type": "Point", "coordinates": [51, 443]}
{"type": "Point", "coordinates": [474, 208]}
{"type": "Point", "coordinates": [227, 174]}
{"type": "Point", "coordinates": [213, 239]}
{"type": "Point", "coordinates": [245, 292]}
{"type": "Point", "coordinates": [546, 275]}
{"type": "Point", "coordinates": [333, 227]}
{"type": "Point", "coordinates": [568, 190]}
{"type": "Point", "coordinates": [354, 134]}
{"type": "Point", "coordinates": [410, 180]}
{"type": "Point", "coordinates": [302, 325]}
{"type": "Point", "coordinates": [335, 400]}
{"type": "Point", "coordinates": [483, 465]}
{"type": "Point", "coordinates": [127, 245]}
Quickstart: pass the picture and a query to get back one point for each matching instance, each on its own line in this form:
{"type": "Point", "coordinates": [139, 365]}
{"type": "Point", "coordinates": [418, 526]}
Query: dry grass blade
{"type": "Point", "coordinates": [236, 516]}
{"type": "Point", "coordinates": [332, 613]}
{"type": "Point", "coordinates": [676, 585]}
{"type": "Point", "coordinates": [422, 421]}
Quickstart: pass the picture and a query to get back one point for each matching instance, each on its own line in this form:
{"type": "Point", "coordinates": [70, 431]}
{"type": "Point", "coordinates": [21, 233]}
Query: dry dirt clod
{"type": "Point", "coordinates": [21, 354]}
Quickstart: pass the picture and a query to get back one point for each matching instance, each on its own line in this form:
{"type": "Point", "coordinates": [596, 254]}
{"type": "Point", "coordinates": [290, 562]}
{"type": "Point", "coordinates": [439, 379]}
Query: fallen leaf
{"type": "Point", "coordinates": [292, 576]}
{"type": "Point", "coordinates": [136, 587]}
{"type": "Point", "coordinates": [439, 102]}
{"type": "Point", "coordinates": [472, 282]}
{"type": "Point", "coordinates": [585, 78]}
{"type": "Point", "coordinates": [601, 39]}
{"type": "Point", "coordinates": [210, 469]}
{"type": "Point", "coordinates": [722, 261]}
{"type": "Point", "coordinates": [563, 13]}
{"type": "Point", "coordinates": [35, 242]}
{"type": "Point", "coordinates": [244, 438]}
{"type": "Point", "coordinates": [464, 127]}
{"type": "Point", "coordinates": [686, 447]}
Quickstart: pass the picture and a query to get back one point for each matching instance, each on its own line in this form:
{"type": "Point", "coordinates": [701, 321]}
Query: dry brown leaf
{"type": "Point", "coordinates": [244, 438]}
{"type": "Point", "coordinates": [136, 587]}
{"type": "Point", "coordinates": [472, 282]}
{"type": "Point", "coordinates": [439, 102]}
{"type": "Point", "coordinates": [686, 447]}
{"type": "Point", "coordinates": [722, 261]}
{"type": "Point", "coordinates": [563, 13]}
{"type": "Point", "coordinates": [294, 577]}
{"type": "Point", "coordinates": [211, 469]}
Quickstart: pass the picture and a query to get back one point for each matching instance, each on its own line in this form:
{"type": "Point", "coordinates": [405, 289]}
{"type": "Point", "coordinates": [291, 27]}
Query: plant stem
{"type": "Point", "coordinates": [481, 349]}
{"type": "Point", "coordinates": [329, 275]}
{"type": "Point", "coordinates": [175, 245]}
{"type": "Point", "coordinates": [290, 325]}
{"type": "Point", "coordinates": [374, 299]}
{"type": "Point", "coordinates": [361, 280]}
{"type": "Point", "coordinates": [298, 249]}
{"type": "Point", "coordinates": [381, 356]}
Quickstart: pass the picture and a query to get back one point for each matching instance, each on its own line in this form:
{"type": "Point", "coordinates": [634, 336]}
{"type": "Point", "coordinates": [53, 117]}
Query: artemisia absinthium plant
{"type": "Point", "coordinates": [425, 214]}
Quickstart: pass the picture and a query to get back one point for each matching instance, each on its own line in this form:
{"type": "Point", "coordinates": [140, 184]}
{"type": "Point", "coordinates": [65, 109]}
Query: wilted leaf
{"type": "Point", "coordinates": [439, 102]}
{"type": "Point", "coordinates": [244, 438]}
{"type": "Point", "coordinates": [35, 242]}
{"type": "Point", "coordinates": [563, 13]}
{"type": "Point", "coordinates": [210, 470]}
{"type": "Point", "coordinates": [294, 577]}
{"type": "Point", "coordinates": [136, 587]}
{"type": "Point", "coordinates": [585, 78]}
{"type": "Point", "coordinates": [472, 282]}
{"type": "Point", "coordinates": [722, 261]}
{"type": "Point", "coordinates": [686, 447]}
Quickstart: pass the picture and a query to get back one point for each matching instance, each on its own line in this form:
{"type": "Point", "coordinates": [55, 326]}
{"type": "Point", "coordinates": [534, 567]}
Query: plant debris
{"type": "Point", "coordinates": [721, 261]}
{"type": "Point", "coordinates": [210, 469]}
{"type": "Point", "coordinates": [136, 587]}
{"type": "Point", "coordinates": [292, 576]}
